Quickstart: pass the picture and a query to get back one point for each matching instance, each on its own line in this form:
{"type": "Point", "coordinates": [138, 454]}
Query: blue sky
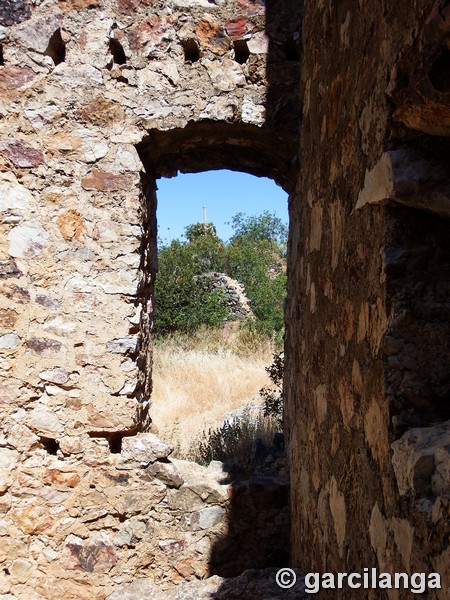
{"type": "Point", "coordinates": [181, 200]}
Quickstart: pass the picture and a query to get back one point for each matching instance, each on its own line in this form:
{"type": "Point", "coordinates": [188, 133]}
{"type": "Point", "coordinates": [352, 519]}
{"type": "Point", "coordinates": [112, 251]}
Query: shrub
{"type": "Point", "coordinates": [183, 303]}
{"type": "Point", "coordinates": [193, 232]}
{"type": "Point", "coordinates": [273, 395]}
{"type": "Point", "coordinates": [254, 257]}
{"type": "Point", "coordinates": [232, 442]}
{"type": "Point", "coordinates": [257, 228]}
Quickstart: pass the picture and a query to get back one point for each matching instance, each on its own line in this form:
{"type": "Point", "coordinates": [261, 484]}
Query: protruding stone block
{"type": "Point", "coordinates": [421, 461]}
{"type": "Point", "coordinates": [408, 177]}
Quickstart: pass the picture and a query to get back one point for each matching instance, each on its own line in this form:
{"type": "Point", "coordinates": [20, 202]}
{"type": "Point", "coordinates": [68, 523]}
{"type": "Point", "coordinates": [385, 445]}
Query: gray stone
{"type": "Point", "coordinates": [131, 531]}
{"type": "Point", "coordinates": [60, 325]}
{"type": "Point", "coordinates": [42, 420]}
{"type": "Point", "coordinates": [78, 75]}
{"type": "Point", "coordinates": [9, 341]}
{"type": "Point", "coordinates": [440, 481]}
{"type": "Point", "coordinates": [203, 519]}
{"type": "Point", "coordinates": [117, 282]}
{"type": "Point", "coordinates": [408, 177]}
{"type": "Point", "coordinates": [138, 590]}
{"type": "Point", "coordinates": [27, 240]}
{"type": "Point", "coordinates": [144, 448]}
{"type": "Point", "coordinates": [94, 146]}
{"type": "Point", "coordinates": [13, 195]}
{"type": "Point", "coordinates": [56, 375]}
{"type": "Point", "coordinates": [165, 472]}
{"type": "Point", "coordinates": [251, 585]}
{"type": "Point", "coordinates": [122, 345]}
{"type": "Point", "coordinates": [8, 461]}
{"type": "Point", "coordinates": [39, 117]}
{"type": "Point", "coordinates": [210, 516]}
{"type": "Point", "coordinates": [259, 43]}
{"type": "Point", "coordinates": [420, 460]}
{"type": "Point", "coordinates": [37, 35]}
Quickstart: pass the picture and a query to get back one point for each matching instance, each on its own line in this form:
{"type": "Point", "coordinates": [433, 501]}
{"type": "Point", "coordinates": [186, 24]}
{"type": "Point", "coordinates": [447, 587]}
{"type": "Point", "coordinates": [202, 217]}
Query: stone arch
{"type": "Point", "coordinates": [208, 145]}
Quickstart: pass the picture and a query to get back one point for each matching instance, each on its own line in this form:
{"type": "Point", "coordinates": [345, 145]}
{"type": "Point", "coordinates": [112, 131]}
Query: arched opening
{"type": "Point", "coordinates": [204, 147]}
{"type": "Point", "coordinates": [200, 146]}
{"type": "Point", "coordinates": [218, 309]}
{"type": "Point", "coordinates": [209, 145]}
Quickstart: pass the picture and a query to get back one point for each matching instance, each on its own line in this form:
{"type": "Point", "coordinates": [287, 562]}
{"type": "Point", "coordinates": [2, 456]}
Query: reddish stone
{"type": "Point", "coordinates": [101, 112]}
{"type": "Point", "coordinates": [58, 477]}
{"type": "Point", "coordinates": [70, 224]}
{"type": "Point", "coordinates": [185, 567]}
{"type": "Point", "coordinates": [20, 155]}
{"type": "Point", "coordinates": [211, 35]}
{"type": "Point", "coordinates": [9, 269]}
{"type": "Point", "coordinates": [150, 30]}
{"type": "Point", "coordinates": [13, 78]}
{"type": "Point", "coordinates": [44, 300]}
{"type": "Point", "coordinates": [127, 7]}
{"type": "Point", "coordinates": [68, 5]}
{"type": "Point", "coordinates": [106, 182]}
{"type": "Point", "coordinates": [96, 557]}
{"type": "Point", "coordinates": [252, 8]}
{"type": "Point", "coordinates": [8, 318]}
{"type": "Point", "coordinates": [45, 346]}
{"type": "Point", "coordinates": [237, 28]}
{"type": "Point", "coordinates": [172, 546]}
{"type": "Point", "coordinates": [16, 293]}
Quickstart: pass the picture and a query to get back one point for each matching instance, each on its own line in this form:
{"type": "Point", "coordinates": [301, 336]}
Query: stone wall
{"type": "Point", "coordinates": [89, 92]}
{"type": "Point", "coordinates": [79, 530]}
{"type": "Point", "coordinates": [99, 98]}
{"type": "Point", "coordinates": [367, 351]}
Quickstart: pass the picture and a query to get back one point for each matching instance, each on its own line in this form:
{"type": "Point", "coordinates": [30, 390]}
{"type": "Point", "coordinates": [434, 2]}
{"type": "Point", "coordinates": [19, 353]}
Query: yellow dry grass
{"type": "Point", "coordinates": [197, 380]}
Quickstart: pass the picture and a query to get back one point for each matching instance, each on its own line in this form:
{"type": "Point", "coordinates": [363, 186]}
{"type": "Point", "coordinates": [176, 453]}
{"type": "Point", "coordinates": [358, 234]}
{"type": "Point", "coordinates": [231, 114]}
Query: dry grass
{"type": "Point", "coordinates": [196, 380]}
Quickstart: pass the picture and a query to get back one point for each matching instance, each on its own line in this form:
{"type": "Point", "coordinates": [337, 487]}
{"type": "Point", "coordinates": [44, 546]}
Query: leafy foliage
{"type": "Point", "coordinates": [232, 442]}
{"type": "Point", "coordinates": [254, 257]}
{"type": "Point", "coordinates": [265, 227]}
{"type": "Point", "coordinates": [192, 232]}
{"type": "Point", "coordinates": [273, 395]}
{"type": "Point", "coordinates": [183, 302]}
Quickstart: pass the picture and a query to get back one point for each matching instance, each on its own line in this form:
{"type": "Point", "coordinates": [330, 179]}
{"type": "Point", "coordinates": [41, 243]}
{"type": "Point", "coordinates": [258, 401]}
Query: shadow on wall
{"type": "Point", "coordinates": [258, 520]}
{"type": "Point", "coordinates": [258, 528]}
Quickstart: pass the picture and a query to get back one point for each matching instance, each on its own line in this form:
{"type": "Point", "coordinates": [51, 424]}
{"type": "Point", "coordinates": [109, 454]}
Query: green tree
{"type": "Point", "coordinates": [255, 257]}
{"type": "Point", "coordinates": [193, 232]}
{"type": "Point", "coordinates": [183, 301]}
{"type": "Point", "coordinates": [264, 227]}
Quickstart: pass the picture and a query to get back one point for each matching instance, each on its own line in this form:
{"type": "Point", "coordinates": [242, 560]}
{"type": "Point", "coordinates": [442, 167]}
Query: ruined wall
{"type": "Point", "coordinates": [367, 347]}
{"type": "Point", "coordinates": [82, 85]}
{"type": "Point", "coordinates": [98, 98]}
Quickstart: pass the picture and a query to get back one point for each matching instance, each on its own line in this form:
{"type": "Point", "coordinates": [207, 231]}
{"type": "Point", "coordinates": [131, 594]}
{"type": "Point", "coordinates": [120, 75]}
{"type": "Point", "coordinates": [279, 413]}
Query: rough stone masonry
{"type": "Point", "coordinates": [346, 105]}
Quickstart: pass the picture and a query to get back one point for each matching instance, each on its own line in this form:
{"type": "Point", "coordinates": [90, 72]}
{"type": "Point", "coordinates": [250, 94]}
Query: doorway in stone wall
{"type": "Point", "coordinates": [256, 531]}
{"type": "Point", "coordinates": [197, 148]}
{"type": "Point", "coordinates": [218, 324]}
{"type": "Point", "coordinates": [218, 314]}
